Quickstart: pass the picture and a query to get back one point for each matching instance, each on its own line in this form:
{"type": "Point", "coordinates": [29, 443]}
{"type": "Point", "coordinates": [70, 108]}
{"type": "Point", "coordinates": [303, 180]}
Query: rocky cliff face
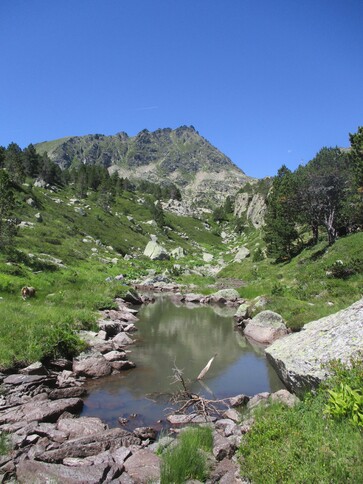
{"type": "Point", "coordinates": [250, 202]}
{"type": "Point", "coordinates": [181, 156]}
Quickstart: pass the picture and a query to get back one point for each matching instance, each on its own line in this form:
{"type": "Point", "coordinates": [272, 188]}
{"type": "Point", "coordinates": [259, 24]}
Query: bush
{"type": "Point", "coordinates": [346, 403]}
{"type": "Point", "coordinates": [258, 255]}
{"type": "Point", "coordinates": [341, 270]}
{"type": "Point", "coordinates": [345, 392]}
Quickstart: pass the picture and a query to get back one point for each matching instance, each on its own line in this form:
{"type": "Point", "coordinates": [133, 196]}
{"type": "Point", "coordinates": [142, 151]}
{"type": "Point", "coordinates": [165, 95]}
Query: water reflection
{"type": "Point", "coordinates": [187, 337]}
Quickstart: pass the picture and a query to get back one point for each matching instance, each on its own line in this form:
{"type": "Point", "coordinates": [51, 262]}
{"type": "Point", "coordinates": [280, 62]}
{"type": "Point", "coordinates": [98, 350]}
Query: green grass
{"type": "Point", "coordinates": [4, 443]}
{"type": "Point", "coordinates": [303, 445]}
{"type": "Point", "coordinates": [187, 460]}
{"type": "Point", "coordinates": [68, 297]}
{"type": "Point", "coordinates": [66, 301]}
{"type": "Point", "coordinates": [300, 290]}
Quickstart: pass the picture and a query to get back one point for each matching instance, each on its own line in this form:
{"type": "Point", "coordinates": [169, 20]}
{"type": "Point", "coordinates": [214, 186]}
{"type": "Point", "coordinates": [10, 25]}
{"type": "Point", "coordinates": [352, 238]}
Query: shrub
{"type": "Point", "coordinates": [258, 255]}
{"type": "Point", "coordinates": [346, 403]}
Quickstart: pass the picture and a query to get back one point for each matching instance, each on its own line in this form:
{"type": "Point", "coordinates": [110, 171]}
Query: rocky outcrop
{"type": "Point", "coordinates": [251, 203]}
{"type": "Point", "coordinates": [266, 327]}
{"type": "Point", "coordinates": [298, 358]}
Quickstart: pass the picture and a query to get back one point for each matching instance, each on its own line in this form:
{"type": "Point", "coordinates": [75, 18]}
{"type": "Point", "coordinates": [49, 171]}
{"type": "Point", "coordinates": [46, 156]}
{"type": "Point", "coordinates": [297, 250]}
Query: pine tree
{"type": "Point", "coordinates": [7, 203]}
{"type": "Point", "coordinates": [14, 163]}
{"type": "Point", "coordinates": [280, 229]}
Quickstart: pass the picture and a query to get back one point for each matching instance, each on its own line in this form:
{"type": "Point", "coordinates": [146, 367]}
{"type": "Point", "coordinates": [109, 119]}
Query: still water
{"type": "Point", "coordinates": [187, 337]}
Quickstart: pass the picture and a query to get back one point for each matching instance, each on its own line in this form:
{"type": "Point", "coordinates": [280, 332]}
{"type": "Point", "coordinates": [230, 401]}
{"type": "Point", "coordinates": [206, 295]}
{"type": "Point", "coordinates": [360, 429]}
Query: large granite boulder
{"type": "Point", "coordinates": [91, 365]}
{"type": "Point", "coordinates": [266, 327]}
{"type": "Point", "coordinates": [298, 357]}
{"type": "Point", "coordinates": [242, 253]}
{"type": "Point", "coordinates": [143, 467]}
{"type": "Point", "coordinates": [178, 253]}
{"type": "Point", "coordinates": [243, 312]}
{"type": "Point", "coordinates": [155, 251]}
{"type": "Point", "coordinates": [225, 295]}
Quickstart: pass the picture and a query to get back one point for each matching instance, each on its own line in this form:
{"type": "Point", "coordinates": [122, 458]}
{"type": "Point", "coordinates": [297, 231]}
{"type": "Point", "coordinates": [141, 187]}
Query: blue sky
{"type": "Point", "coordinates": [266, 81]}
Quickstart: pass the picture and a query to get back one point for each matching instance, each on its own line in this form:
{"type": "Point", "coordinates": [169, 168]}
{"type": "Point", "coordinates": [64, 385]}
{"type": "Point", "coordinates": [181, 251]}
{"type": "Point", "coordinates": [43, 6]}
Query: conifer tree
{"type": "Point", "coordinates": [280, 229]}
{"type": "Point", "coordinates": [7, 203]}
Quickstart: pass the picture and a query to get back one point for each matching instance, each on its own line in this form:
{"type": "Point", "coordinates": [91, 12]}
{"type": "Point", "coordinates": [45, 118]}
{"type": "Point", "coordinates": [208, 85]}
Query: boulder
{"type": "Point", "coordinates": [80, 211]}
{"type": "Point", "coordinates": [298, 358]}
{"type": "Point", "coordinates": [42, 411]}
{"type": "Point", "coordinates": [121, 340]}
{"type": "Point", "coordinates": [90, 445]}
{"type": "Point", "coordinates": [143, 467]}
{"type": "Point", "coordinates": [242, 254]}
{"type": "Point", "coordinates": [81, 427]}
{"type": "Point", "coordinates": [207, 257]}
{"type": "Point", "coordinates": [91, 365]}
{"type": "Point", "coordinates": [243, 312]}
{"type": "Point", "coordinates": [36, 472]}
{"type": "Point", "coordinates": [36, 368]}
{"type": "Point", "coordinates": [70, 392]}
{"type": "Point", "coordinates": [178, 253]}
{"type": "Point", "coordinates": [226, 295]}
{"type": "Point", "coordinates": [266, 327]}
{"type": "Point", "coordinates": [132, 297]}
{"type": "Point", "coordinates": [155, 251]}
{"type": "Point", "coordinates": [115, 356]}
{"type": "Point", "coordinates": [226, 472]}
{"type": "Point", "coordinates": [285, 397]}
{"type": "Point", "coordinates": [222, 447]}
{"type": "Point", "coordinates": [31, 202]}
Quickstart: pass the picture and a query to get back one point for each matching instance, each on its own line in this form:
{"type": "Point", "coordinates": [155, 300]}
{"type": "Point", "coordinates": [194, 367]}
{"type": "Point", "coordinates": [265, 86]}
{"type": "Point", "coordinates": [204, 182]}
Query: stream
{"type": "Point", "coordinates": [186, 336]}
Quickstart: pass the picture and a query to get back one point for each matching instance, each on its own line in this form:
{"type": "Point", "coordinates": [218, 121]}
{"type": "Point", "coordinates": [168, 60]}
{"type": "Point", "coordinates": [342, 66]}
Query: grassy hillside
{"type": "Point", "coordinates": [73, 254]}
{"type": "Point", "coordinates": [305, 288]}
{"type": "Point", "coordinates": [69, 258]}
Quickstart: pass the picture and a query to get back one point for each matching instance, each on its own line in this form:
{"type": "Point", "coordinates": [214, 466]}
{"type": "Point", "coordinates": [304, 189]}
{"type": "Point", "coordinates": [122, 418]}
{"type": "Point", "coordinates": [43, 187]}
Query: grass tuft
{"type": "Point", "coordinates": [187, 460]}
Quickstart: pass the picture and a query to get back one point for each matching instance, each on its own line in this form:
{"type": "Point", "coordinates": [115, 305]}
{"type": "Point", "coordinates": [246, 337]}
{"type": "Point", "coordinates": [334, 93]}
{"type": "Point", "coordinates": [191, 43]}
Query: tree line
{"type": "Point", "coordinates": [21, 164]}
{"type": "Point", "coordinates": [18, 166]}
{"type": "Point", "coordinates": [325, 195]}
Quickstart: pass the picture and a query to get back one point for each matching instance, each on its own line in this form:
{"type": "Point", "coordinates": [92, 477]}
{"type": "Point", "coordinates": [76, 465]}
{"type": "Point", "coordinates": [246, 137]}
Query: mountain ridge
{"type": "Point", "coordinates": [181, 156]}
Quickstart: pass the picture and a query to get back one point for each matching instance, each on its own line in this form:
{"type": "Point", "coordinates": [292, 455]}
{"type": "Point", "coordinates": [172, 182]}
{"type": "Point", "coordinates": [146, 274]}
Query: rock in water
{"type": "Point", "coordinates": [266, 327]}
{"type": "Point", "coordinates": [298, 357]}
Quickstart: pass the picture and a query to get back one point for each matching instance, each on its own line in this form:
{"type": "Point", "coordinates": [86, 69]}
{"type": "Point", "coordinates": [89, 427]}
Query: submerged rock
{"type": "Point", "coordinates": [298, 358]}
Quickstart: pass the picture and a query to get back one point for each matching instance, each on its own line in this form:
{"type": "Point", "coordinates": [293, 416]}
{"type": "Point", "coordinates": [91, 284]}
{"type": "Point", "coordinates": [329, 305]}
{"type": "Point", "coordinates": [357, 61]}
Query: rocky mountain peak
{"type": "Point", "coordinates": [182, 156]}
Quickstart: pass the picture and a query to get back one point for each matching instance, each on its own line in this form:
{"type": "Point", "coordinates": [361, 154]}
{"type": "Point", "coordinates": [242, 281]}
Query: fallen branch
{"type": "Point", "coordinates": [188, 402]}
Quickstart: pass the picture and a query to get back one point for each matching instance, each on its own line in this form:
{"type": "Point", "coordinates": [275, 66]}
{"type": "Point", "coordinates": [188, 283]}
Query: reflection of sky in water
{"type": "Point", "coordinates": [188, 337]}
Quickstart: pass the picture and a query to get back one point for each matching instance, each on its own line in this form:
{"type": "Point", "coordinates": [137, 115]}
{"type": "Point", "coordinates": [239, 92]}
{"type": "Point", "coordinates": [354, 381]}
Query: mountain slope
{"type": "Point", "coordinates": [181, 156]}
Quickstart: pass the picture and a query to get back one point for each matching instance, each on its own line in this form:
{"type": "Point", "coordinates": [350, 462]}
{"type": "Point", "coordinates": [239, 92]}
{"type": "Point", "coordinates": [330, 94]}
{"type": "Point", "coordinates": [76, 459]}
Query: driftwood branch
{"type": "Point", "coordinates": [188, 402]}
{"type": "Point", "coordinates": [206, 368]}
